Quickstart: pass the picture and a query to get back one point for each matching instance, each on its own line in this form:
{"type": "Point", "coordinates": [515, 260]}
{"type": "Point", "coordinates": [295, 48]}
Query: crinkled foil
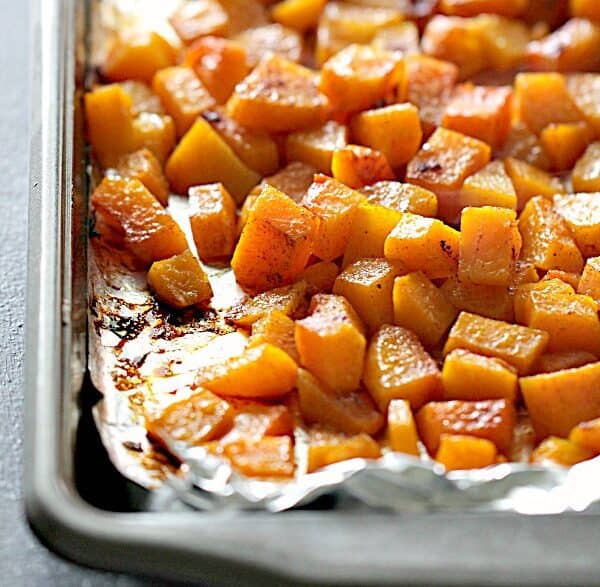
{"type": "Point", "coordinates": [142, 357]}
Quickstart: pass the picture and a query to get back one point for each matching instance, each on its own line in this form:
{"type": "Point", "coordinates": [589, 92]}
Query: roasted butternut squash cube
{"type": "Point", "coordinates": [510, 8]}
{"type": "Point", "coordinates": [213, 221]}
{"type": "Point", "coordinates": [481, 112]}
{"type": "Point", "coordinates": [529, 181]}
{"type": "Point", "coordinates": [278, 96]}
{"type": "Point", "coordinates": [584, 90]}
{"type": "Point", "coordinates": [557, 402]}
{"type": "Point", "coordinates": [298, 14]}
{"type": "Point", "coordinates": [402, 197]}
{"type": "Point", "coordinates": [401, 430]}
{"type": "Point", "coordinates": [571, 278]}
{"type": "Point", "coordinates": [156, 133]}
{"type": "Point", "coordinates": [524, 145]}
{"type": "Point", "coordinates": [244, 15]}
{"type": "Point", "coordinates": [148, 230]}
{"type": "Point", "coordinates": [490, 186]}
{"type": "Point", "coordinates": [525, 295]}
{"type": "Point", "coordinates": [547, 240]}
{"type": "Point", "coordinates": [589, 284]}
{"type": "Point", "coordinates": [587, 435]}
{"type": "Point", "coordinates": [367, 284]}
{"type": "Point", "coordinates": [256, 419]}
{"type": "Point", "coordinates": [559, 451]}
{"type": "Point", "coordinates": [293, 180]}
{"type": "Point", "coordinates": [504, 40]}
{"type": "Point", "coordinates": [179, 281]}
{"type": "Point", "coordinates": [183, 95]}
{"type": "Point", "coordinates": [202, 156]}
{"type": "Point", "coordinates": [398, 367]}
{"type": "Point", "coordinates": [276, 242]}
{"type": "Point", "coordinates": [358, 166]}
{"type": "Point", "coordinates": [551, 14]}
{"type": "Point", "coordinates": [199, 18]}
{"type": "Point", "coordinates": [550, 362]}
{"type": "Point", "coordinates": [350, 412]}
{"type": "Point", "coordinates": [403, 38]}
{"type": "Point", "coordinates": [490, 244]}
{"type": "Point", "coordinates": [331, 342]}
{"type": "Point", "coordinates": [565, 143]}
{"type": "Point", "coordinates": [271, 38]}
{"type": "Point", "coordinates": [472, 377]}
{"type": "Point", "coordinates": [320, 276]}
{"type": "Point", "coordinates": [443, 164]}
{"type": "Point", "coordinates": [370, 227]}
{"type": "Point", "coordinates": [359, 76]}
{"type": "Point", "coordinates": [459, 452]}
{"type": "Point", "coordinates": [421, 307]}
{"type": "Point", "coordinates": [424, 244]}
{"type": "Point", "coordinates": [262, 372]}
{"type": "Point", "coordinates": [525, 272]}
{"type": "Point", "coordinates": [586, 173]}
{"type": "Point", "coordinates": [493, 420]}
{"type": "Point", "coordinates": [582, 215]}
{"type": "Point", "coordinates": [518, 345]}
{"type": "Point", "coordinates": [277, 329]}
{"type": "Point", "coordinates": [326, 447]}
{"type": "Point", "coordinates": [144, 166]}
{"type": "Point", "coordinates": [269, 456]}
{"type": "Point", "coordinates": [585, 9]}
{"type": "Point", "coordinates": [316, 146]}
{"type": "Point", "coordinates": [334, 205]}
{"type": "Point", "coordinates": [394, 130]}
{"type": "Point", "coordinates": [143, 99]}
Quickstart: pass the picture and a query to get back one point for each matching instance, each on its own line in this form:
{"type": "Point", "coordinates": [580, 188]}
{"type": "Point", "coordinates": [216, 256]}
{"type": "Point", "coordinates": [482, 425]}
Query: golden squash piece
{"type": "Point", "coordinates": [199, 18]}
{"type": "Point", "coordinates": [565, 143]}
{"type": "Point", "coordinates": [350, 412]}
{"type": "Point", "coordinates": [279, 95]}
{"type": "Point", "coordinates": [510, 8]}
{"type": "Point", "coordinates": [490, 244]}
{"type": "Point", "coordinates": [547, 240]}
{"type": "Point", "coordinates": [584, 89]}
{"type": "Point", "coordinates": [358, 166]}
{"type": "Point", "coordinates": [587, 435]}
{"type": "Point", "coordinates": [403, 38]}
{"type": "Point", "coordinates": [557, 402]}
{"type": "Point", "coordinates": [570, 278]}
{"type": "Point", "coordinates": [524, 145]}
{"type": "Point", "coordinates": [129, 208]}
{"type": "Point", "coordinates": [213, 221]}
{"type": "Point", "coordinates": [333, 203]}
{"type": "Point", "coordinates": [255, 419]}
{"type": "Point", "coordinates": [443, 164]}
{"type": "Point", "coordinates": [517, 345]}
{"type": "Point", "coordinates": [401, 430]}
{"type": "Point", "coordinates": [197, 419]}
{"type": "Point", "coordinates": [276, 242]}
{"type": "Point", "coordinates": [402, 197]}
{"type": "Point", "coordinates": [559, 451]}
{"type": "Point", "coordinates": [277, 329]}
{"type": "Point", "coordinates": [320, 276]}
{"type": "Point", "coordinates": [551, 362]}
{"type": "Point", "coordinates": [244, 15]}
{"type": "Point", "coordinates": [585, 9]}
{"type": "Point", "coordinates": [586, 173]}
{"type": "Point", "coordinates": [298, 14]}
{"type": "Point", "coordinates": [202, 156]}
{"type": "Point", "coordinates": [582, 215]}
{"type": "Point", "coordinates": [424, 244]}
{"type": "Point", "coordinates": [367, 284]}
{"type": "Point", "coordinates": [459, 452]}
{"type": "Point", "coordinates": [331, 342]}
{"type": "Point", "coordinates": [143, 99]}
{"type": "Point", "coordinates": [398, 367]}
{"type": "Point", "coordinates": [262, 372]}
{"type": "Point", "coordinates": [137, 55]}
{"type": "Point", "coordinates": [183, 95]}
{"type": "Point", "coordinates": [394, 130]}
{"type": "Point", "coordinates": [316, 146]}
{"type": "Point", "coordinates": [144, 166]}
{"type": "Point", "coordinates": [525, 272]}
{"type": "Point", "coordinates": [269, 456]}
{"type": "Point", "coordinates": [271, 38]}
{"type": "Point", "coordinates": [529, 181]}
{"type": "Point", "coordinates": [493, 420]}
{"type": "Point", "coordinates": [472, 377]}
{"type": "Point", "coordinates": [589, 284]}
{"type": "Point", "coordinates": [525, 295]}
{"type": "Point", "coordinates": [359, 76]}
{"type": "Point", "coordinates": [421, 307]}
{"type": "Point", "coordinates": [326, 447]}
{"type": "Point", "coordinates": [293, 180]}
{"type": "Point", "coordinates": [156, 133]}
{"type": "Point", "coordinates": [179, 281]}
{"type": "Point", "coordinates": [490, 186]}
{"type": "Point", "coordinates": [504, 40]}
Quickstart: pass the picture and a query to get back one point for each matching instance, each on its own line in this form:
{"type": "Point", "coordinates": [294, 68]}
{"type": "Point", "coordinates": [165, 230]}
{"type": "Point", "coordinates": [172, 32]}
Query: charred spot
{"type": "Point", "coordinates": [125, 327]}
{"type": "Point", "coordinates": [133, 446]}
{"type": "Point", "coordinates": [446, 248]}
{"type": "Point", "coordinates": [429, 166]}
{"type": "Point", "coordinates": [92, 232]}
{"type": "Point", "coordinates": [126, 376]}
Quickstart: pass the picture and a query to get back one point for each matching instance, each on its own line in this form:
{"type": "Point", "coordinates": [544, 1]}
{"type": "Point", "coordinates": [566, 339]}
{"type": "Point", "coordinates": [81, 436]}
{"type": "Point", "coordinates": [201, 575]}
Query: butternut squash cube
{"type": "Point", "coordinates": [358, 166]}
{"type": "Point", "coordinates": [298, 14]}
{"type": "Point", "coordinates": [278, 95]}
{"type": "Point", "coordinates": [271, 38]}
{"type": "Point", "coordinates": [320, 276]}
{"type": "Point", "coordinates": [129, 208]}
{"type": "Point", "coordinates": [551, 362]}
{"type": "Point", "coordinates": [459, 452]}
{"type": "Point", "coordinates": [518, 345]}
{"type": "Point", "coordinates": [421, 307]}
{"type": "Point", "coordinates": [143, 99]}
{"type": "Point", "coordinates": [398, 367]}
{"type": "Point", "coordinates": [490, 186]}
{"type": "Point", "coordinates": [585, 9]}
{"type": "Point", "coordinates": [551, 14]}
{"type": "Point", "coordinates": [510, 8]}
{"type": "Point", "coordinates": [557, 402]}
{"type": "Point", "coordinates": [277, 329]}
{"type": "Point", "coordinates": [525, 272]}
{"type": "Point", "coordinates": [504, 40]}
{"type": "Point", "coordinates": [199, 18]}
{"type": "Point", "coordinates": [584, 90]}
{"type": "Point", "coordinates": [529, 181]}
{"type": "Point", "coordinates": [202, 156]}
{"type": "Point", "coordinates": [144, 166]}
{"type": "Point", "coordinates": [350, 412]}
{"type": "Point", "coordinates": [559, 451]}
{"type": "Point", "coordinates": [394, 130]}
{"type": "Point", "coordinates": [587, 435]}
{"type": "Point", "coordinates": [526, 294]}
{"type": "Point", "coordinates": [367, 284]}
{"type": "Point", "coordinates": [276, 242]}
{"type": "Point", "coordinates": [424, 244]}
{"type": "Point", "coordinates": [255, 419]}
{"type": "Point", "coordinates": [331, 342]}
{"type": "Point", "coordinates": [334, 205]}
{"type": "Point", "coordinates": [213, 221]}
{"type": "Point", "coordinates": [582, 215]}
{"type": "Point", "coordinates": [571, 278]}
{"type": "Point", "coordinates": [493, 420]}
{"type": "Point", "coordinates": [156, 133]}
{"type": "Point", "coordinates": [472, 377]}
{"type": "Point", "coordinates": [293, 180]}
{"type": "Point", "coordinates": [589, 284]}
{"type": "Point", "coordinates": [586, 173]}
{"type": "Point", "coordinates": [402, 197]}
{"type": "Point", "coordinates": [565, 143]}
{"type": "Point", "coordinates": [403, 38]}
{"type": "Point", "coordinates": [401, 428]}
{"type": "Point", "coordinates": [524, 145]}
{"type": "Point", "coordinates": [269, 456]}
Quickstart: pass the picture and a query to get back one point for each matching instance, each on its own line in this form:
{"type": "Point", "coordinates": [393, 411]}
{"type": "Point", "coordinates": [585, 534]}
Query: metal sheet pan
{"type": "Point", "coordinates": [68, 485]}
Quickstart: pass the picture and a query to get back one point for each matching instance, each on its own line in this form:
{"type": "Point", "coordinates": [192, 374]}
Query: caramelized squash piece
{"type": "Point", "coordinates": [320, 276]}
{"type": "Point", "coordinates": [199, 18]}
{"type": "Point", "coordinates": [559, 451]}
{"type": "Point", "coordinates": [524, 145]}
{"type": "Point", "coordinates": [402, 197]}
{"type": "Point", "coordinates": [401, 430]}
{"type": "Point", "coordinates": [277, 329]}
{"type": "Point", "coordinates": [504, 40]}
{"type": "Point", "coordinates": [586, 173]}
{"type": "Point", "coordinates": [316, 146]}
{"type": "Point", "coordinates": [565, 143]}
{"type": "Point", "coordinates": [587, 435]}
{"type": "Point", "coordinates": [269, 456]}
{"type": "Point", "coordinates": [143, 99]}
{"type": "Point", "coordinates": [584, 90]}
{"type": "Point", "coordinates": [493, 420]}
{"type": "Point", "coordinates": [398, 367]}
{"type": "Point", "coordinates": [293, 180]}
{"type": "Point", "coordinates": [358, 166]}
{"type": "Point", "coordinates": [403, 38]}
{"type": "Point", "coordinates": [551, 362]}
{"type": "Point", "coordinates": [490, 186]}
{"type": "Point", "coordinates": [582, 215]}
{"type": "Point", "coordinates": [276, 242]}
{"type": "Point", "coordinates": [459, 452]}
{"type": "Point", "coordinates": [213, 221]}
{"type": "Point", "coordinates": [350, 412]}
{"type": "Point", "coordinates": [557, 402]}
{"type": "Point", "coordinates": [298, 14]}
{"type": "Point", "coordinates": [145, 167]}
{"type": "Point", "coordinates": [331, 342]}
{"type": "Point", "coordinates": [256, 419]}
{"type": "Point", "coordinates": [244, 15]}
{"type": "Point", "coordinates": [589, 284]}
{"type": "Point", "coordinates": [156, 133]}
{"type": "Point", "coordinates": [571, 279]}
{"type": "Point", "coordinates": [271, 38]}
{"type": "Point", "coordinates": [525, 295]}
{"type": "Point", "coordinates": [510, 8]}
{"type": "Point", "coordinates": [529, 181]}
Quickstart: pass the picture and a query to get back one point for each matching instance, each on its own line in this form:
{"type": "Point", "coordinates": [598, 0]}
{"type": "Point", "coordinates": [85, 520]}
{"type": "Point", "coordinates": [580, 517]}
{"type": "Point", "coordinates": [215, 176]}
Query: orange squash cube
{"type": "Point", "coordinates": [504, 40]}
{"type": "Point", "coordinates": [156, 133]}
{"type": "Point", "coordinates": [586, 173]}
{"type": "Point", "coordinates": [551, 362]}
{"type": "Point", "coordinates": [582, 215]}
{"type": "Point", "coordinates": [490, 186]}
{"type": "Point", "coordinates": [269, 456]}
{"type": "Point", "coordinates": [293, 180]}
{"type": "Point", "coordinates": [510, 8]}
{"type": "Point", "coordinates": [559, 451]}
{"type": "Point", "coordinates": [525, 272]}
{"type": "Point", "coordinates": [401, 430]}
{"type": "Point", "coordinates": [565, 143]}
{"type": "Point", "coordinates": [529, 181]}
{"type": "Point", "coordinates": [524, 145]}
{"type": "Point", "coordinates": [525, 295]}
{"type": "Point", "coordinates": [256, 419]}
{"type": "Point", "coordinates": [358, 166]}
{"type": "Point", "coordinates": [320, 276]}
{"type": "Point", "coordinates": [298, 14]}
{"type": "Point", "coordinates": [403, 38]}
{"type": "Point", "coordinates": [570, 278]}
{"type": "Point", "coordinates": [331, 342]}
{"type": "Point", "coordinates": [398, 367]}
{"type": "Point", "coordinates": [277, 329]}
{"type": "Point", "coordinates": [589, 284]}
{"type": "Point", "coordinates": [584, 90]}
{"type": "Point", "coordinates": [276, 242]}
{"type": "Point", "coordinates": [199, 18]}
{"type": "Point", "coordinates": [551, 14]}
{"type": "Point", "coordinates": [270, 38]}
{"type": "Point", "coordinates": [144, 166]}
{"type": "Point", "coordinates": [585, 9]}
{"type": "Point", "coordinates": [459, 452]}
{"type": "Point", "coordinates": [587, 435]}
{"type": "Point", "coordinates": [143, 99]}
{"type": "Point", "coordinates": [402, 197]}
